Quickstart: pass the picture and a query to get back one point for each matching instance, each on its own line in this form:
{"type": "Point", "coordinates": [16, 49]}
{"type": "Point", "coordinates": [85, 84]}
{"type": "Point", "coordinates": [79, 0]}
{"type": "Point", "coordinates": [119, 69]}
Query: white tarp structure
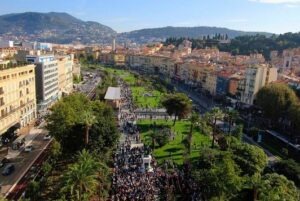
{"type": "Point", "coordinates": [147, 163]}
{"type": "Point", "coordinates": [136, 145]}
{"type": "Point", "coordinates": [113, 93]}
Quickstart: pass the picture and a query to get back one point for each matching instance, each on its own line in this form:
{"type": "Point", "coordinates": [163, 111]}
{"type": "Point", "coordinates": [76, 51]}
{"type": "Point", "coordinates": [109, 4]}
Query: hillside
{"type": "Point", "coordinates": [160, 34]}
{"type": "Point", "coordinates": [53, 27]}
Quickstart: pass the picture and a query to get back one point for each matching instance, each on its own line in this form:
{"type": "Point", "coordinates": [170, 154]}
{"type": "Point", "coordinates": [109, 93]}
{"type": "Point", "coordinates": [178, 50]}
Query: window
{"type": "Point", "coordinates": [1, 101]}
{"type": "Point", "coordinates": [1, 91]}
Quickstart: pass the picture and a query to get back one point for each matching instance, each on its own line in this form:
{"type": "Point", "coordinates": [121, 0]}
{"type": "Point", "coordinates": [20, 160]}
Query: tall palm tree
{"type": "Point", "coordinates": [81, 179]}
{"type": "Point", "coordinates": [212, 116]}
{"type": "Point", "coordinates": [194, 120]}
{"type": "Point", "coordinates": [232, 116]}
{"type": "Point", "coordinates": [88, 120]}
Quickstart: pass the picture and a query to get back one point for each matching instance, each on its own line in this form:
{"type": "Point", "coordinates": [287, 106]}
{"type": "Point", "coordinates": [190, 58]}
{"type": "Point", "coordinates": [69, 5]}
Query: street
{"type": "Point", "coordinates": [23, 161]}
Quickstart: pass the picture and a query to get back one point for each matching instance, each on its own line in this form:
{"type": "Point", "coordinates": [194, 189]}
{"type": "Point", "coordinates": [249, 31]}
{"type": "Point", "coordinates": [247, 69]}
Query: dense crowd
{"type": "Point", "coordinates": [132, 179]}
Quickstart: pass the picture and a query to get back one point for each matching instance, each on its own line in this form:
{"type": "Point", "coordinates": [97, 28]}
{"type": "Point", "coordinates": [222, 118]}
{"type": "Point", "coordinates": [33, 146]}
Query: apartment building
{"type": "Point", "coordinates": [256, 77]}
{"type": "Point", "coordinates": [65, 74]}
{"type": "Point", "coordinates": [210, 84]}
{"type": "Point", "coordinates": [8, 52]}
{"type": "Point", "coordinates": [46, 73]}
{"type": "Point", "coordinates": [17, 95]}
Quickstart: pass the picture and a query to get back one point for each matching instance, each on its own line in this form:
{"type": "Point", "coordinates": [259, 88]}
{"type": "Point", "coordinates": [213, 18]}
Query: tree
{"type": "Point", "coordinates": [88, 120]}
{"type": "Point", "coordinates": [295, 116]}
{"type": "Point", "coordinates": [72, 116]}
{"type": "Point", "coordinates": [276, 187]}
{"type": "Point", "coordinates": [238, 132]}
{"type": "Point", "coordinates": [194, 119]}
{"type": "Point", "coordinates": [33, 191]}
{"type": "Point", "coordinates": [217, 175]}
{"type": "Point", "coordinates": [178, 105]}
{"type": "Point", "coordinates": [290, 169]}
{"type": "Point", "coordinates": [55, 149]}
{"type": "Point", "coordinates": [212, 117]}
{"type": "Point", "coordinates": [81, 178]}
{"type": "Point", "coordinates": [249, 158]}
{"type": "Point", "coordinates": [46, 168]}
{"type": "Point", "coordinates": [278, 96]}
{"type": "Point", "coordinates": [231, 117]}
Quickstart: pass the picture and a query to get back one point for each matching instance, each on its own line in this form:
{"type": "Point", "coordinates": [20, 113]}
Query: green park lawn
{"type": "Point", "coordinates": [143, 97]}
{"type": "Point", "coordinates": [143, 94]}
{"type": "Point", "coordinates": [174, 149]}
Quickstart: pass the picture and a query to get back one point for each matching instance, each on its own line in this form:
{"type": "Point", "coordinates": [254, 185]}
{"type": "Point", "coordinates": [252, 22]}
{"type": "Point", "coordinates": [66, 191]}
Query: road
{"type": "Point", "coordinates": [23, 161]}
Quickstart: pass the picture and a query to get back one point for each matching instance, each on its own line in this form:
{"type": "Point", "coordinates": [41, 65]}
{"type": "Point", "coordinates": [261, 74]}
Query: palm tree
{"type": "Point", "coordinates": [212, 116]}
{"type": "Point", "coordinates": [88, 120]}
{"type": "Point", "coordinates": [232, 116]}
{"type": "Point", "coordinates": [81, 179]}
{"type": "Point", "coordinates": [193, 119]}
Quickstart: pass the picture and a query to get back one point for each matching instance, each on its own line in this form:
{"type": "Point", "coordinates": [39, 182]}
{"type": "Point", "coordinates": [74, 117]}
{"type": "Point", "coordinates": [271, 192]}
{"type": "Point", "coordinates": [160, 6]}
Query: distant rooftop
{"type": "Point", "coordinates": [113, 93]}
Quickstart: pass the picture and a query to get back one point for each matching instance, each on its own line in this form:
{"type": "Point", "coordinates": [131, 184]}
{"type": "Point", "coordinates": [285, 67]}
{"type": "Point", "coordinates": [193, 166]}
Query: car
{"type": "Point", "coordinates": [47, 137]}
{"type": "Point", "coordinates": [4, 161]}
{"type": "Point", "coordinates": [10, 168]}
{"type": "Point", "coordinates": [28, 148]}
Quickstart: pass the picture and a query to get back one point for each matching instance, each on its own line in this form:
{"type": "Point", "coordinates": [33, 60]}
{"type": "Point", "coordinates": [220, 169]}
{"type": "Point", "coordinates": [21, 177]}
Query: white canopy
{"type": "Point", "coordinates": [113, 93]}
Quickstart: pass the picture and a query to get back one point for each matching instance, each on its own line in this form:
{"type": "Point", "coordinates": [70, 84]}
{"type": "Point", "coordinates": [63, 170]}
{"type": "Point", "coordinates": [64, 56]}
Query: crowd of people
{"type": "Point", "coordinates": [133, 178]}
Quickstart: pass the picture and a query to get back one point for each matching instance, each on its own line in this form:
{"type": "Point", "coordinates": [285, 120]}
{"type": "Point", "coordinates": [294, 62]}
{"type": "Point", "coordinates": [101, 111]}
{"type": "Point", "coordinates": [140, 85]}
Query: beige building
{"type": "Point", "coordinates": [17, 95]}
{"type": "Point", "coordinates": [256, 77]}
{"type": "Point", "coordinates": [210, 84]}
{"type": "Point", "coordinates": [65, 74]}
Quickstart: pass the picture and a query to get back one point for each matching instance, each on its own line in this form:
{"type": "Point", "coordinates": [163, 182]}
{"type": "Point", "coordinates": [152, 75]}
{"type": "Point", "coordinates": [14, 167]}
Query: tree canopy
{"type": "Point", "coordinates": [67, 124]}
{"type": "Point", "coordinates": [278, 96]}
{"type": "Point", "coordinates": [177, 104]}
{"type": "Point", "coordinates": [276, 187]}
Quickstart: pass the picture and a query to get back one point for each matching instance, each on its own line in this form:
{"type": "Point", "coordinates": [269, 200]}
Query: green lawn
{"type": "Point", "coordinates": [143, 97]}
{"type": "Point", "coordinates": [174, 149]}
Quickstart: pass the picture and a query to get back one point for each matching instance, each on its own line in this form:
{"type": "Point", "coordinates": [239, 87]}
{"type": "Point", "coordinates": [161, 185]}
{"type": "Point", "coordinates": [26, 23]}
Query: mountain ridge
{"type": "Point", "coordinates": [54, 27]}
{"type": "Point", "coordinates": [61, 27]}
{"type": "Point", "coordinates": [161, 33]}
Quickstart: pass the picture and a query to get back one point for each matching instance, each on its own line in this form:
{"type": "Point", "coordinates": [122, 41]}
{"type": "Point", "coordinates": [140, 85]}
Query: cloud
{"type": "Point", "coordinates": [289, 2]}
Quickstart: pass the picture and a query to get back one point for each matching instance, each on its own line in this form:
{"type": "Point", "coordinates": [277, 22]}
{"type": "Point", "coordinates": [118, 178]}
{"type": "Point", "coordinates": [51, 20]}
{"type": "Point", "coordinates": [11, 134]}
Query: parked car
{"type": "Point", "coordinates": [47, 137]}
{"type": "Point", "coordinates": [28, 148]}
{"type": "Point", "coordinates": [9, 169]}
{"type": "Point", "coordinates": [4, 161]}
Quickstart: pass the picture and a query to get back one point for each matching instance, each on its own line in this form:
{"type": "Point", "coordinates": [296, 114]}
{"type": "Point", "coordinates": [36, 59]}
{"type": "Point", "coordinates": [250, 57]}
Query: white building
{"type": "Point", "coordinates": [46, 73]}
{"type": "Point", "coordinates": [256, 77]}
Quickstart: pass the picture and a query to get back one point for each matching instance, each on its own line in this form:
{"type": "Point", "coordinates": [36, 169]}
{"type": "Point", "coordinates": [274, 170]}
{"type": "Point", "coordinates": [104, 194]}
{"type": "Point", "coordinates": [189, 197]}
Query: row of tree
{"type": "Point", "coordinates": [232, 170]}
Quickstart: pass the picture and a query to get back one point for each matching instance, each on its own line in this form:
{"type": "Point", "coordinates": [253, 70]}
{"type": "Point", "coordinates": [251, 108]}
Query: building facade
{"type": "Point", "coordinates": [17, 95]}
{"type": "Point", "coordinates": [65, 74]}
{"type": "Point", "coordinates": [256, 77]}
{"type": "Point", "coordinates": [46, 73]}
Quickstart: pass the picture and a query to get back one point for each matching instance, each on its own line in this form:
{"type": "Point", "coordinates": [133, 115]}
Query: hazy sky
{"type": "Point", "coordinates": [277, 16]}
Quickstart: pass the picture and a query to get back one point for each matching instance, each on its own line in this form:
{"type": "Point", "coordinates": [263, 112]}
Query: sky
{"type": "Point", "coordinates": [276, 16]}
